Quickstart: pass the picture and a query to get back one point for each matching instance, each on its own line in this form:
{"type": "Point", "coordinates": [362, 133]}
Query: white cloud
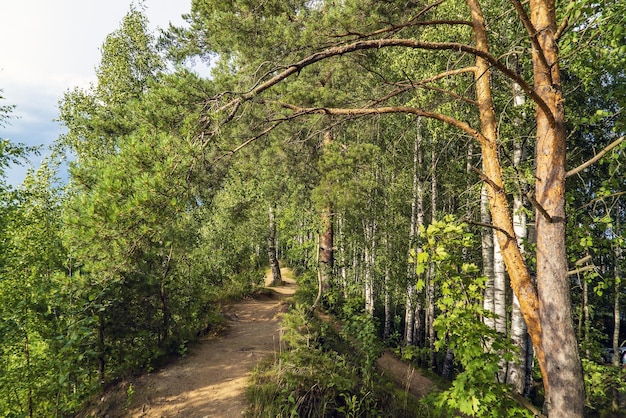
{"type": "Point", "coordinates": [51, 46]}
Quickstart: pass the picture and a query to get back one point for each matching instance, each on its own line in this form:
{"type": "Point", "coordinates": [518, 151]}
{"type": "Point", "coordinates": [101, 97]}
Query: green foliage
{"type": "Point", "coordinates": [318, 375]}
{"type": "Point", "coordinates": [362, 329]}
{"type": "Point", "coordinates": [39, 333]}
{"type": "Point", "coordinates": [96, 117]}
{"type": "Point", "coordinates": [478, 348]}
{"type": "Point", "coordinates": [602, 384]}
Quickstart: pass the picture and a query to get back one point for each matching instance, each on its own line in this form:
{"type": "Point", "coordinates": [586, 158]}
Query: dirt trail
{"type": "Point", "coordinates": [404, 375]}
{"type": "Point", "coordinates": [211, 380]}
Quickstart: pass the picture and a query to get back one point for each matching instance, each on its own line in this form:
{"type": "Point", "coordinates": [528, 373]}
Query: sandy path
{"type": "Point", "coordinates": [405, 375]}
{"type": "Point", "coordinates": [211, 380]}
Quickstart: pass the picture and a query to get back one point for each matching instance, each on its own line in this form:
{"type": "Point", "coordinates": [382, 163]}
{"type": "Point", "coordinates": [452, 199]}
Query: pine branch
{"type": "Point", "coordinates": [464, 126]}
{"type": "Point", "coordinates": [532, 31]}
{"type": "Point", "coordinates": [387, 43]}
{"type": "Point", "coordinates": [597, 157]}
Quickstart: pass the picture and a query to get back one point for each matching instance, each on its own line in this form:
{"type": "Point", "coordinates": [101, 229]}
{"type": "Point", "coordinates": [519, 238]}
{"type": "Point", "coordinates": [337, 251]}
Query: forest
{"type": "Point", "coordinates": [444, 176]}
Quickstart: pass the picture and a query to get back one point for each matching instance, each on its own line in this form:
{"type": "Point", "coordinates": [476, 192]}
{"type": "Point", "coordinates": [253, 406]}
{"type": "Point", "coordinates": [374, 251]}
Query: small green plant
{"type": "Point", "coordinates": [604, 385]}
{"type": "Point", "coordinates": [130, 393]}
{"type": "Point", "coordinates": [183, 348]}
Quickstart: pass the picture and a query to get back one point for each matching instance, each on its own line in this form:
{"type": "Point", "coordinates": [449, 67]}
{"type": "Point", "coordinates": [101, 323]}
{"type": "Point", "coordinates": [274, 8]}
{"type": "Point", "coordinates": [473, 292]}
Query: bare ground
{"type": "Point", "coordinates": [211, 380]}
{"type": "Point", "coordinates": [404, 375]}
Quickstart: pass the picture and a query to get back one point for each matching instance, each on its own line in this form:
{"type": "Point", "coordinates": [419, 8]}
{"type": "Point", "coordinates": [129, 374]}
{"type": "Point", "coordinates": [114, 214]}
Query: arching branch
{"type": "Point", "coordinates": [463, 126]}
{"type": "Point", "coordinates": [597, 157]}
{"type": "Point", "coordinates": [387, 43]}
{"type": "Point", "coordinates": [531, 30]}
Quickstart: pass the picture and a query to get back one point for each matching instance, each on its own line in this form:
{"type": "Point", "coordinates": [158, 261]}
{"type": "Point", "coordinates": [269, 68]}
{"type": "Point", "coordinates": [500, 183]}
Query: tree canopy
{"type": "Point", "coordinates": [444, 175]}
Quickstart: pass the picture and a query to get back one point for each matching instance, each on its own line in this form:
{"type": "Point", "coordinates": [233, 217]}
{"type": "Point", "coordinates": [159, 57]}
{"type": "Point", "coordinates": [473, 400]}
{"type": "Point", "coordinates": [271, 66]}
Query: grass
{"type": "Point", "coordinates": [319, 374]}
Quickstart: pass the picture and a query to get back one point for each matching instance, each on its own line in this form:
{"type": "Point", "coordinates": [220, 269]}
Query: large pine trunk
{"type": "Point", "coordinates": [565, 389]}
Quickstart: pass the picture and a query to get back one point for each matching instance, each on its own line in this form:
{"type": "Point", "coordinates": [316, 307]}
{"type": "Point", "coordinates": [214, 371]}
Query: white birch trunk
{"type": "Point", "coordinates": [369, 257]}
{"type": "Point", "coordinates": [430, 285]}
{"type": "Point", "coordinates": [388, 309]}
{"type": "Point", "coordinates": [271, 250]}
{"type": "Point", "coordinates": [499, 288]}
{"type": "Point", "coordinates": [617, 287]}
{"type": "Point", "coordinates": [520, 369]}
{"type": "Point", "coordinates": [487, 255]}
{"type": "Point", "coordinates": [417, 218]}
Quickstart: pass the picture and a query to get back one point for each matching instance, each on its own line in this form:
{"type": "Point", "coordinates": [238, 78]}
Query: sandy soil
{"type": "Point", "coordinates": [211, 380]}
{"type": "Point", "coordinates": [404, 375]}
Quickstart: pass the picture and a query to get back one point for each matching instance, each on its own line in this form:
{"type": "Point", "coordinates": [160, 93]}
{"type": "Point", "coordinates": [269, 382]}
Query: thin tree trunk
{"type": "Point", "coordinates": [387, 280]}
{"type": "Point", "coordinates": [28, 376]}
{"type": "Point", "coordinates": [446, 371]}
{"type": "Point", "coordinates": [586, 317]}
{"type": "Point", "coordinates": [409, 315]}
{"type": "Point", "coordinates": [369, 256]}
{"type": "Point", "coordinates": [499, 288]}
{"type": "Point", "coordinates": [163, 296]}
{"type": "Point", "coordinates": [617, 289]}
{"type": "Point", "coordinates": [487, 256]}
{"type": "Point", "coordinates": [327, 236]}
{"type": "Point", "coordinates": [430, 285]}
{"type": "Point", "coordinates": [388, 310]}
{"type": "Point", "coordinates": [417, 216]}
{"type": "Point", "coordinates": [271, 249]}
{"type": "Point", "coordinates": [101, 347]}
{"type": "Point", "coordinates": [342, 256]}
{"type": "Point", "coordinates": [518, 369]}
{"type": "Point", "coordinates": [499, 300]}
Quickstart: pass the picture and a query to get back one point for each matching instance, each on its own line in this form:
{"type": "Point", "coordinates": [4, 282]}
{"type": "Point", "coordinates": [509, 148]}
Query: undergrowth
{"type": "Point", "coordinates": [318, 373]}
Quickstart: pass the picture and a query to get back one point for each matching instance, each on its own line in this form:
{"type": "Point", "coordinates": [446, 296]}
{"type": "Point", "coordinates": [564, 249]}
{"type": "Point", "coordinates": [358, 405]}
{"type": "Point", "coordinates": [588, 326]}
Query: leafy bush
{"type": "Point", "coordinates": [478, 349]}
{"type": "Point", "coordinates": [603, 384]}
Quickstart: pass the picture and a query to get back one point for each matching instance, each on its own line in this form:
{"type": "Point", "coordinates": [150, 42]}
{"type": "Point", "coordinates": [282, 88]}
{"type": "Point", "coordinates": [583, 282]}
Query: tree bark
{"type": "Point", "coordinates": [271, 249]}
{"type": "Point", "coordinates": [565, 391]}
{"type": "Point", "coordinates": [519, 275]}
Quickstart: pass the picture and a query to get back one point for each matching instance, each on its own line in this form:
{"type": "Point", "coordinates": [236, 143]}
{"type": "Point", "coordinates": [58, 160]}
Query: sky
{"type": "Point", "coordinates": [50, 46]}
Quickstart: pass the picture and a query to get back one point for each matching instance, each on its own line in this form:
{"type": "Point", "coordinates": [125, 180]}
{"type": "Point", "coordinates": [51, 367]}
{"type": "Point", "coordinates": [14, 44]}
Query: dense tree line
{"type": "Point", "coordinates": [447, 172]}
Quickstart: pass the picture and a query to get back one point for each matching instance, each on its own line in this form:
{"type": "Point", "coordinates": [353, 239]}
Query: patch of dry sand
{"type": "Point", "coordinates": [211, 380]}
